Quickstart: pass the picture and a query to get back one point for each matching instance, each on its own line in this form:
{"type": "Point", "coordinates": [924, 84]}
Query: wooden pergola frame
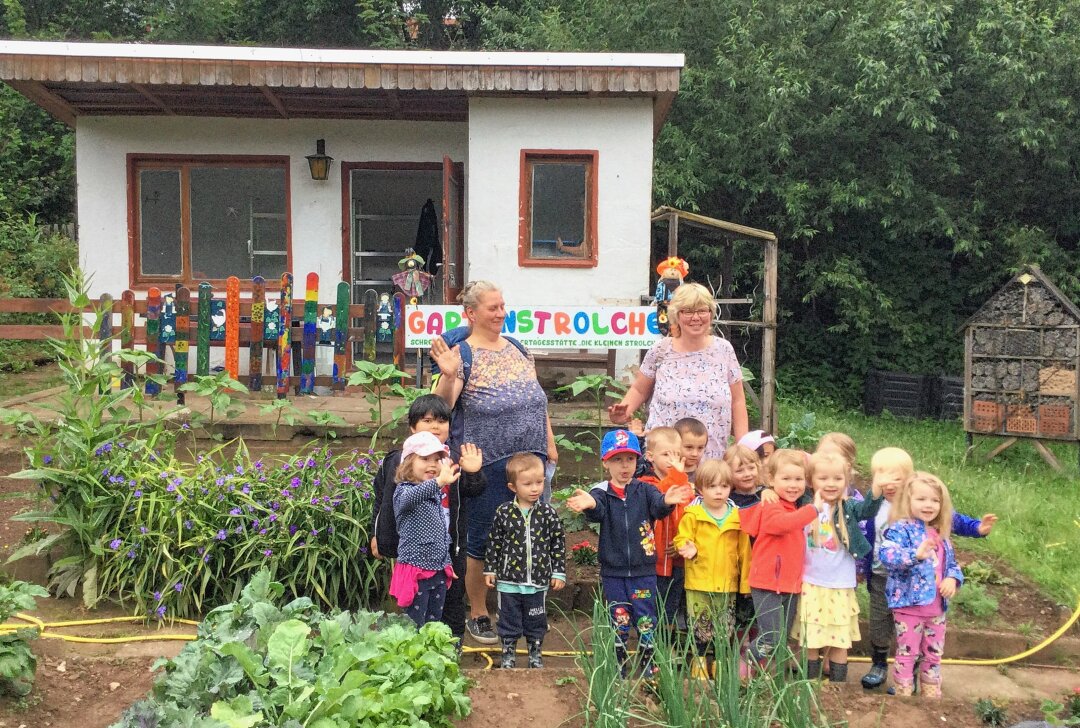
{"type": "Point", "coordinates": [721, 231]}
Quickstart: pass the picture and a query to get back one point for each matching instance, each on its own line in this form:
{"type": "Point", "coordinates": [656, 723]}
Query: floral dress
{"type": "Point", "coordinates": [693, 384]}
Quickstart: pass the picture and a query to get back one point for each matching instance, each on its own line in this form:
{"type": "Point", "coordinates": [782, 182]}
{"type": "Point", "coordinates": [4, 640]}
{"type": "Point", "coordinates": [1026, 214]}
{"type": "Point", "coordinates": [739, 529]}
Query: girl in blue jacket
{"type": "Point", "coordinates": [923, 576]}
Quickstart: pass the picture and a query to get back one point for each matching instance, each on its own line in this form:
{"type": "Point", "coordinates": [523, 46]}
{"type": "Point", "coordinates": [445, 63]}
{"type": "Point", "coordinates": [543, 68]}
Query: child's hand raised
{"type": "Point", "coordinates": [679, 495]}
{"type": "Point", "coordinates": [947, 588]}
{"type": "Point", "coordinates": [580, 501]}
{"type": "Point", "coordinates": [679, 463]}
{"type": "Point", "coordinates": [637, 427]}
{"type": "Point", "coordinates": [927, 547]}
{"type": "Point", "coordinates": [769, 496]}
{"type": "Point", "coordinates": [472, 458]}
{"type": "Point", "coordinates": [986, 525]}
{"type": "Point", "coordinates": [448, 473]}
{"type": "Point", "coordinates": [688, 550]}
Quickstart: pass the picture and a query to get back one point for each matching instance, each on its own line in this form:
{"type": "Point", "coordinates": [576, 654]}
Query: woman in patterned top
{"type": "Point", "coordinates": [504, 410]}
{"type": "Point", "coordinates": [690, 374]}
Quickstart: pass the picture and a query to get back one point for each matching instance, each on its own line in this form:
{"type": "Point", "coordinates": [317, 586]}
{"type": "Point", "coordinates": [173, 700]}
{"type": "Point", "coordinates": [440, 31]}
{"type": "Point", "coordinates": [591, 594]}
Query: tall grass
{"type": "Point", "coordinates": [1038, 532]}
{"type": "Point", "coordinates": [771, 696]}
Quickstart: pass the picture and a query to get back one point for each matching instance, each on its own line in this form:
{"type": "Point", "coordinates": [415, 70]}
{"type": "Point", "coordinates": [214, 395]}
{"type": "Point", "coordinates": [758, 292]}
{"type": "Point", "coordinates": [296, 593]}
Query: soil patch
{"type": "Point", "coordinates": [524, 698]}
{"type": "Point", "coordinates": [72, 689]}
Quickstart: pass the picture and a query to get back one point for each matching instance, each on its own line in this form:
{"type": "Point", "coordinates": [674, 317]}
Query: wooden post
{"type": "Point", "coordinates": [726, 271]}
{"type": "Point", "coordinates": [672, 235]}
{"type": "Point", "coordinates": [768, 339]}
{"type": "Point", "coordinates": [968, 394]}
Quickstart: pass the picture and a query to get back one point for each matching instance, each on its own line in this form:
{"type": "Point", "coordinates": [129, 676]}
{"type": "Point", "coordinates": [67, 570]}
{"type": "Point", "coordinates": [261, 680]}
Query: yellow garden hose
{"type": "Point", "coordinates": [45, 627]}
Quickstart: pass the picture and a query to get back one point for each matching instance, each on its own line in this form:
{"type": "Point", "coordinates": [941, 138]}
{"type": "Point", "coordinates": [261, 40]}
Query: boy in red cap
{"type": "Point", "coordinates": [626, 508]}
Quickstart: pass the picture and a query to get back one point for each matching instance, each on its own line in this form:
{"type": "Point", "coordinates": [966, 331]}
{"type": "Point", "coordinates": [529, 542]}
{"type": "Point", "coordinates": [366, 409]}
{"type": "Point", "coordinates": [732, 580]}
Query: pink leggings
{"type": "Point", "coordinates": [920, 637]}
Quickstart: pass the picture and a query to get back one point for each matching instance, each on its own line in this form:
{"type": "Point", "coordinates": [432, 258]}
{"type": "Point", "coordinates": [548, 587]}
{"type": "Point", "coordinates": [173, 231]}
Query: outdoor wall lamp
{"type": "Point", "coordinates": [319, 163]}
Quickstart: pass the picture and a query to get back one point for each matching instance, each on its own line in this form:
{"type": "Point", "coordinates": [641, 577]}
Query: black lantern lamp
{"type": "Point", "coordinates": [319, 163]}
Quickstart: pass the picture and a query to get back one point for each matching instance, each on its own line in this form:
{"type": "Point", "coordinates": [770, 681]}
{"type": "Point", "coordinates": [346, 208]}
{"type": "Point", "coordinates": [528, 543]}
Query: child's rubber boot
{"type": "Point", "coordinates": [649, 670]}
{"type": "Point", "coordinates": [744, 670]}
{"type": "Point", "coordinates": [904, 690]}
{"type": "Point", "coordinates": [699, 669]}
{"type": "Point", "coordinates": [929, 689]}
{"type": "Point", "coordinates": [813, 669]}
{"type": "Point", "coordinates": [837, 672]}
{"type": "Point", "coordinates": [509, 656]}
{"type": "Point", "coordinates": [536, 656]}
{"type": "Point", "coordinates": [879, 670]}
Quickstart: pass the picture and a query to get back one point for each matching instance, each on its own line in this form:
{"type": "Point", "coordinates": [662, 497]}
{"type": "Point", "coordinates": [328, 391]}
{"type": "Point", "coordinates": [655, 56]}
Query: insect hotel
{"type": "Point", "coordinates": [1021, 357]}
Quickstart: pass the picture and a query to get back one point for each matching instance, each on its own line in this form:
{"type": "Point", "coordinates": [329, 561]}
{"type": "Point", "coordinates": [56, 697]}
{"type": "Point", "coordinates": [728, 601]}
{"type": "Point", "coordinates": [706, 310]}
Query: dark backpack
{"type": "Point", "coordinates": [456, 337]}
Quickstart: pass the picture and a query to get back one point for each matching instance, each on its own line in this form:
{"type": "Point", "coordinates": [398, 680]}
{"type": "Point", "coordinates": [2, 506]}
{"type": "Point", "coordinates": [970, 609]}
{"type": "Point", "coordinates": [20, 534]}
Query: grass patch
{"type": "Point", "coordinates": [1039, 510]}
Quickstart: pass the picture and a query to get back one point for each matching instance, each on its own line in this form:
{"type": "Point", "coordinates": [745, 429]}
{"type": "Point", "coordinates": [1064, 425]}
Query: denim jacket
{"type": "Point", "coordinates": [913, 582]}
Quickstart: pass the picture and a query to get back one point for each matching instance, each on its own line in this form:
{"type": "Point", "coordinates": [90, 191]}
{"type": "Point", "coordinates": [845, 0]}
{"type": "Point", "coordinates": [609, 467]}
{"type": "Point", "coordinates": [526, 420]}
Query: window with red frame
{"type": "Point", "coordinates": [201, 219]}
{"type": "Point", "coordinates": [558, 208]}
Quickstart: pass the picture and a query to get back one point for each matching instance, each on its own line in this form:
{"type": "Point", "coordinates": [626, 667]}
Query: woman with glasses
{"type": "Point", "coordinates": [690, 374]}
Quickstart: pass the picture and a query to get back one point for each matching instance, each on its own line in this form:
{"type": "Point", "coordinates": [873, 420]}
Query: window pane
{"type": "Point", "coordinates": [159, 218]}
{"type": "Point", "coordinates": [558, 207]}
{"type": "Point", "coordinates": [230, 207]}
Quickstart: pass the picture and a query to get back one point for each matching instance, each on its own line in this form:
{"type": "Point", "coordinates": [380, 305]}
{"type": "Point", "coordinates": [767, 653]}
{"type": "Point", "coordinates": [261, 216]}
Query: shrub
{"type": "Point", "coordinates": [258, 663]}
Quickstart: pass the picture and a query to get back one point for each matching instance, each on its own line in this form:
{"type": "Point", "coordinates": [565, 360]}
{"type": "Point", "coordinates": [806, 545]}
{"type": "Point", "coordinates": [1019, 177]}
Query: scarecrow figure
{"type": "Point", "coordinates": [672, 271]}
{"type": "Point", "coordinates": [412, 279]}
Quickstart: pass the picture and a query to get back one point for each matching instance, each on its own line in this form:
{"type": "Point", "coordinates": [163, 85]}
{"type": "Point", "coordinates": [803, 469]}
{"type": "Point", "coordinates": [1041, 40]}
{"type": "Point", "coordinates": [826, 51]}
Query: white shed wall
{"type": "Point", "coordinates": [103, 143]}
{"type": "Point", "coordinates": [621, 131]}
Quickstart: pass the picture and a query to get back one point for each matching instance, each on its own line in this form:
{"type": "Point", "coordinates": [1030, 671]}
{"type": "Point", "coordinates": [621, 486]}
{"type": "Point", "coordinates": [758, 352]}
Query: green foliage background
{"type": "Point", "coordinates": [910, 156]}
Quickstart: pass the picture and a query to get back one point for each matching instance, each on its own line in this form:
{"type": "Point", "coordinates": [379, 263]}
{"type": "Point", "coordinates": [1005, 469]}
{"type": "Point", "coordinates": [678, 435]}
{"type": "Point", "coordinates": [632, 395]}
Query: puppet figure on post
{"type": "Point", "coordinates": [412, 279]}
{"type": "Point", "coordinates": [672, 271]}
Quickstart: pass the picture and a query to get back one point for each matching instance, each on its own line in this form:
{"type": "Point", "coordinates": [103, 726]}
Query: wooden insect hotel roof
{"type": "Point", "coordinates": [1022, 356]}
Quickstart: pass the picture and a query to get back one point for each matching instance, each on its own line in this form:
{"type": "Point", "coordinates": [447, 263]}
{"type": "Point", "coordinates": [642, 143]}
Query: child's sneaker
{"type": "Point", "coordinates": [480, 630]}
{"type": "Point", "coordinates": [536, 657]}
{"type": "Point", "coordinates": [509, 655]}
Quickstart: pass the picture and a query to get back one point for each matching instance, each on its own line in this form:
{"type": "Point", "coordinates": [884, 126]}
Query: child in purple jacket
{"type": "Point", "coordinates": [923, 576]}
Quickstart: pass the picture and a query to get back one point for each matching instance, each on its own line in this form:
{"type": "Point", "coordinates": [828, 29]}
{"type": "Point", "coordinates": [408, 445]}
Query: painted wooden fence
{"type": "Point", "coordinates": [255, 319]}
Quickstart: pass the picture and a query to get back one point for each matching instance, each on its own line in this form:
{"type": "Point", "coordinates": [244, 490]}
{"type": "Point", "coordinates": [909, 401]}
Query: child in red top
{"type": "Point", "coordinates": [776, 561]}
{"type": "Point", "coordinates": [662, 451]}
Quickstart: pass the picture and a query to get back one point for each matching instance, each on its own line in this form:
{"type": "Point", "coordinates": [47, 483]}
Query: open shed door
{"type": "Point", "coordinates": [452, 233]}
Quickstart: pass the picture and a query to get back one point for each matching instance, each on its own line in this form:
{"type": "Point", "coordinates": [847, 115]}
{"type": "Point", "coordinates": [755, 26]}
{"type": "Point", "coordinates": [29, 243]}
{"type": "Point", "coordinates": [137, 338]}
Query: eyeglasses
{"type": "Point", "coordinates": [702, 314]}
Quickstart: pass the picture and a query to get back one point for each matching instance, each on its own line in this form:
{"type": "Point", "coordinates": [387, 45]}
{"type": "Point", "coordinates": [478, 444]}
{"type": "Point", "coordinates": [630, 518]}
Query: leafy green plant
{"type": "Point", "coordinates": [991, 712]}
{"type": "Point", "coordinates": [218, 389]}
{"type": "Point", "coordinates": [282, 409]}
{"type": "Point", "coordinates": [380, 381]}
{"type": "Point", "coordinates": [980, 572]}
{"type": "Point", "coordinates": [1051, 710]}
{"type": "Point", "coordinates": [973, 599]}
{"type": "Point", "coordinates": [259, 663]}
{"type": "Point", "coordinates": [327, 419]}
{"type": "Point", "coordinates": [802, 434]}
{"type": "Point", "coordinates": [17, 662]}
{"type": "Point", "coordinates": [571, 520]}
{"type": "Point", "coordinates": [599, 388]}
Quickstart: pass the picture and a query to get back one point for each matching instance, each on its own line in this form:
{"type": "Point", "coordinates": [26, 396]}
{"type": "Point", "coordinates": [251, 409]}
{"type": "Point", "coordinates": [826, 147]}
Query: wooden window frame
{"type": "Point", "coordinates": [139, 281]}
{"type": "Point", "coordinates": [590, 157]}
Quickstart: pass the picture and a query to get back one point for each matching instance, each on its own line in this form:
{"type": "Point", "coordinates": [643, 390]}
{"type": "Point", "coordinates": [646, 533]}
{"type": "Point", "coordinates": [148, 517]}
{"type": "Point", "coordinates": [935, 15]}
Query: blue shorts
{"type": "Point", "coordinates": [482, 507]}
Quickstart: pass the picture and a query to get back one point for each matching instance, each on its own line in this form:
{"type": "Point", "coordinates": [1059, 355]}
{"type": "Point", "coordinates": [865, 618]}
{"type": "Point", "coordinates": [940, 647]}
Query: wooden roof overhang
{"type": "Point", "coordinates": [117, 79]}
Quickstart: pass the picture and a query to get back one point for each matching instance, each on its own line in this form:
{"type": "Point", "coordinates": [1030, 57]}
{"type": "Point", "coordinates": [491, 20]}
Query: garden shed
{"type": "Point", "coordinates": [200, 162]}
{"type": "Point", "coordinates": [1021, 357]}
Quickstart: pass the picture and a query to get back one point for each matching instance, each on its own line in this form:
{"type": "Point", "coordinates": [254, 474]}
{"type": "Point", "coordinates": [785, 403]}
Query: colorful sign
{"type": "Point", "coordinates": [547, 327]}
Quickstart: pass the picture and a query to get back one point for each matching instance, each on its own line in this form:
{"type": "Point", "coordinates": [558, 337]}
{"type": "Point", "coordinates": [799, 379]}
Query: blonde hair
{"type": "Point", "coordinates": [817, 460]}
{"type": "Point", "coordinates": [473, 290]}
{"type": "Point", "coordinates": [842, 442]}
{"type": "Point", "coordinates": [688, 297]}
{"type": "Point", "coordinates": [892, 458]}
{"type": "Point", "coordinates": [712, 472]}
{"type": "Point", "coordinates": [783, 457]}
{"type": "Point", "coordinates": [659, 436]}
{"type": "Point", "coordinates": [520, 464]}
{"type": "Point", "coordinates": [737, 455]}
{"type": "Point", "coordinates": [902, 507]}
{"type": "Point", "coordinates": [404, 470]}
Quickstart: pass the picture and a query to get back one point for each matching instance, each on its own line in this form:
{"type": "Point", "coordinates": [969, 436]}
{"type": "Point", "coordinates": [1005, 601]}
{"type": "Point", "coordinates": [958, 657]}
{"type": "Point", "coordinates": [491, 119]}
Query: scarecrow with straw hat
{"type": "Point", "coordinates": [672, 271]}
{"type": "Point", "coordinates": [412, 279]}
